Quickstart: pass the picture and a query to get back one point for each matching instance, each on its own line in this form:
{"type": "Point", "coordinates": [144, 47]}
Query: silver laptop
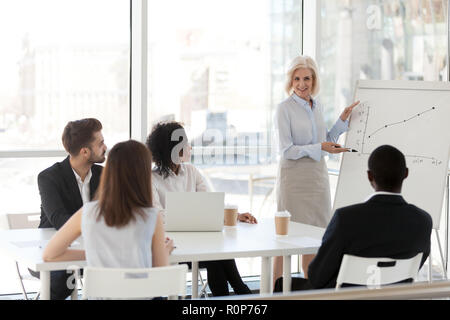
{"type": "Point", "coordinates": [194, 211]}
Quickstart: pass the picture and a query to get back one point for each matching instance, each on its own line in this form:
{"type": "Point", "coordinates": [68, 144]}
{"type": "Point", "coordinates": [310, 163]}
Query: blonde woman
{"type": "Point", "coordinates": [302, 184]}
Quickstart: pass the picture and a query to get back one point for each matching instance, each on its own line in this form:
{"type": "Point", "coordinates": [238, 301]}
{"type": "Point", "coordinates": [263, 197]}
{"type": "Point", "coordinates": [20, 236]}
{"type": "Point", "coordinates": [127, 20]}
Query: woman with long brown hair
{"type": "Point", "coordinates": [120, 228]}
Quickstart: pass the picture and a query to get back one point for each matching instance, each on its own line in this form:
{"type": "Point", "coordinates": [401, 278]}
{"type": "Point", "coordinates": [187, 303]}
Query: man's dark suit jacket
{"type": "Point", "coordinates": [384, 226]}
{"type": "Point", "coordinates": [60, 195]}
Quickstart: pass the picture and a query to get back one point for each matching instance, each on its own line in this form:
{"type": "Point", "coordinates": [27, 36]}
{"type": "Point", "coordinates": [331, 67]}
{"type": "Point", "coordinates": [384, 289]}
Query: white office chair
{"type": "Point", "coordinates": [23, 221]}
{"type": "Point", "coordinates": [114, 283]}
{"type": "Point", "coordinates": [374, 272]}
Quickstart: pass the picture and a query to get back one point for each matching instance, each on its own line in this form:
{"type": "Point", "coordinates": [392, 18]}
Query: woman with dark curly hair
{"type": "Point", "coordinates": [171, 152]}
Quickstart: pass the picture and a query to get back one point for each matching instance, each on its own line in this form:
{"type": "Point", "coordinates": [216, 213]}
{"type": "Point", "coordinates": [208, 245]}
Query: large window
{"type": "Point", "coordinates": [379, 40]}
{"type": "Point", "coordinates": [60, 60]}
{"type": "Point", "coordinates": [217, 66]}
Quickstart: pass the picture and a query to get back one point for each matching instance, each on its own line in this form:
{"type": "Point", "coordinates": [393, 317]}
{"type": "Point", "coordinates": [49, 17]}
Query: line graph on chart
{"type": "Point", "coordinates": [371, 131]}
{"type": "Point", "coordinates": [399, 122]}
{"type": "Point", "coordinates": [411, 116]}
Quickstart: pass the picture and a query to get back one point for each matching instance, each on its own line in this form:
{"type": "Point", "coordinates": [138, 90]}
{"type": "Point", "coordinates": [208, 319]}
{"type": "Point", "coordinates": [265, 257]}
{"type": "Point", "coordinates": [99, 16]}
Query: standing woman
{"type": "Point", "coordinates": [303, 187]}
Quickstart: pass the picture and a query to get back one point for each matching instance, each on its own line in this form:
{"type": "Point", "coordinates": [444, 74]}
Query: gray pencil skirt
{"type": "Point", "coordinates": [303, 189]}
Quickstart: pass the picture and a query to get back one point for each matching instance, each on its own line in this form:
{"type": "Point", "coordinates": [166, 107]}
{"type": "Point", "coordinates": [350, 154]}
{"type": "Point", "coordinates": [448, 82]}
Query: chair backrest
{"type": "Point", "coordinates": [115, 283]}
{"type": "Point", "coordinates": [374, 272]}
{"type": "Point", "coordinates": [23, 220]}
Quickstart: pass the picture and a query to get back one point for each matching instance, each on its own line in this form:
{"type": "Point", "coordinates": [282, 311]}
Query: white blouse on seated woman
{"type": "Point", "coordinates": [189, 179]}
{"type": "Point", "coordinates": [302, 129]}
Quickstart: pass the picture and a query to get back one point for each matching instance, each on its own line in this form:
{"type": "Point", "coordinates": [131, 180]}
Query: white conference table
{"type": "Point", "coordinates": [244, 240]}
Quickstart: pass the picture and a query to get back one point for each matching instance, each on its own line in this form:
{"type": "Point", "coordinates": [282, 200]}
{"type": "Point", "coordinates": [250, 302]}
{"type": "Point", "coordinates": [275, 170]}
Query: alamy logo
{"type": "Point", "coordinates": [74, 275]}
{"type": "Point", "coordinates": [374, 17]}
{"type": "Point", "coordinates": [374, 279]}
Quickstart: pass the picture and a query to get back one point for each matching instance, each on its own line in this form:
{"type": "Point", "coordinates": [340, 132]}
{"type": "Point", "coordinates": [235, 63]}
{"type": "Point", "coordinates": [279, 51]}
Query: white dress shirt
{"type": "Point", "coordinates": [189, 179]}
{"type": "Point", "coordinates": [84, 186]}
{"type": "Point", "coordinates": [382, 193]}
{"type": "Point", "coordinates": [302, 129]}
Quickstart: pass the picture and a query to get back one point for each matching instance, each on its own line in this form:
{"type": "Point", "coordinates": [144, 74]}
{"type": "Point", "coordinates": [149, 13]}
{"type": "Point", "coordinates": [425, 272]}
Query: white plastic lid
{"type": "Point", "coordinates": [284, 213]}
{"type": "Point", "coordinates": [231, 206]}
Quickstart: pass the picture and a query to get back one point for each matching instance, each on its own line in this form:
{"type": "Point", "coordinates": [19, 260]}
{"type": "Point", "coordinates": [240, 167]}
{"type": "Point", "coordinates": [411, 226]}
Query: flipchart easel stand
{"type": "Point", "coordinates": [436, 232]}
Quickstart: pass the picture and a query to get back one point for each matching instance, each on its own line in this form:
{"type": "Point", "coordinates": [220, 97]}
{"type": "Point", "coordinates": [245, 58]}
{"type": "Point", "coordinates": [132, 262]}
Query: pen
{"type": "Point", "coordinates": [349, 149]}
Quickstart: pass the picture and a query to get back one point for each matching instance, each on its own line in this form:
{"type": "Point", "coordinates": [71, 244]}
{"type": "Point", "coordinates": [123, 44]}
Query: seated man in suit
{"type": "Point", "coordinates": [383, 226]}
{"type": "Point", "coordinates": [67, 185]}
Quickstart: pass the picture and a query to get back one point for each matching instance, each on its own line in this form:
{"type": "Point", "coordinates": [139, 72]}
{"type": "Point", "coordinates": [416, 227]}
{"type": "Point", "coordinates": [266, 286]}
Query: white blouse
{"type": "Point", "coordinates": [189, 179]}
{"type": "Point", "coordinates": [110, 247]}
{"type": "Point", "coordinates": [301, 129]}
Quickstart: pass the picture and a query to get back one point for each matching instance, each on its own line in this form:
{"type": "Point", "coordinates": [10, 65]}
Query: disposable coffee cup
{"type": "Point", "coordinates": [230, 215]}
{"type": "Point", "coordinates": [282, 219]}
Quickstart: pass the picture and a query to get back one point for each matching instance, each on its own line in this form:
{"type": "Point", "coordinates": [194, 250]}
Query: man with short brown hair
{"type": "Point", "coordinates": [67, 185]}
